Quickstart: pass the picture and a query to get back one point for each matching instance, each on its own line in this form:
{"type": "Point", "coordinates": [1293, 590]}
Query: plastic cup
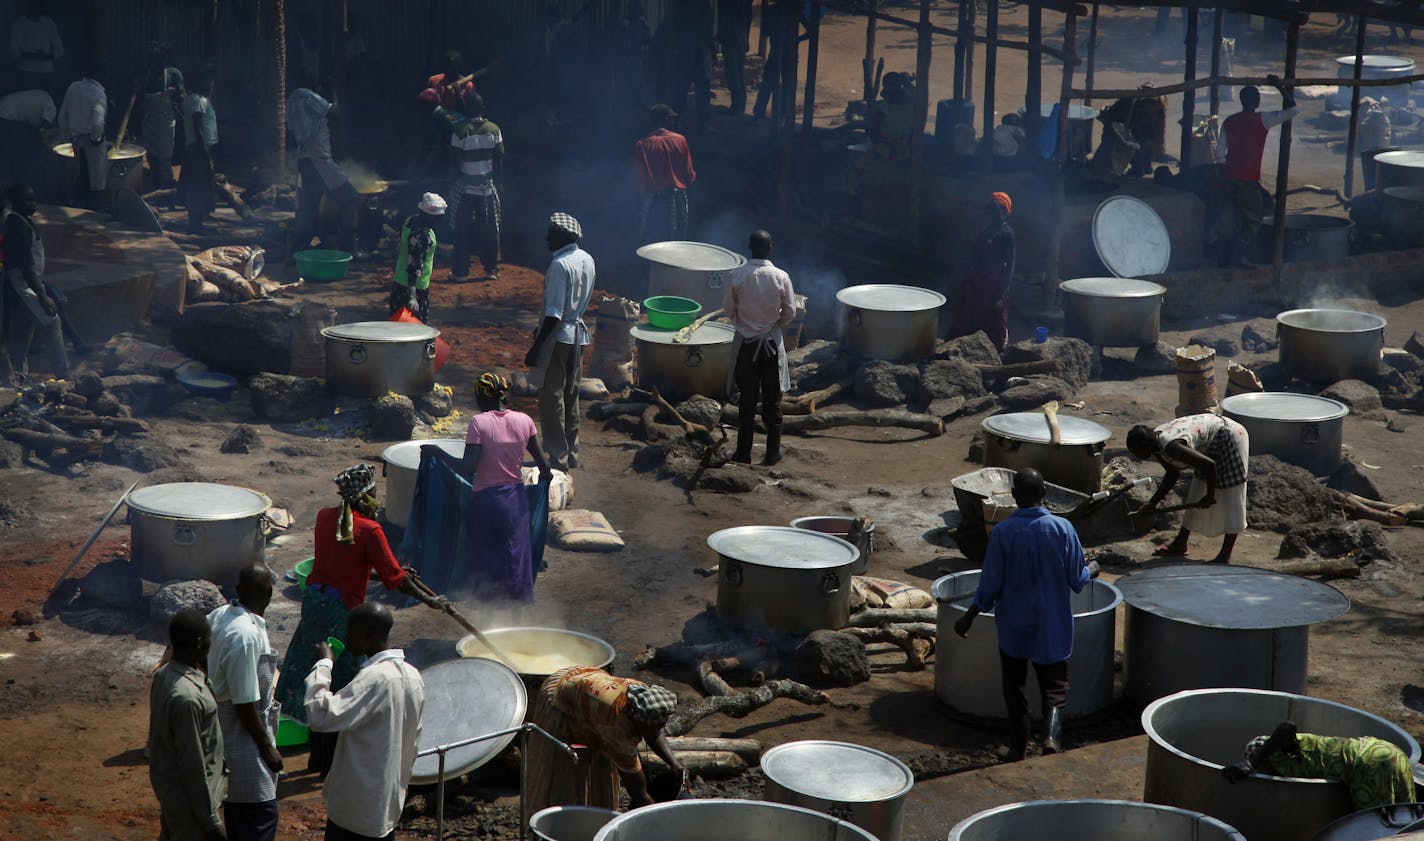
{"type": "Point", "coordinates": [337, 646]}
{"type": "Point", "coordinates": [1040, 335]}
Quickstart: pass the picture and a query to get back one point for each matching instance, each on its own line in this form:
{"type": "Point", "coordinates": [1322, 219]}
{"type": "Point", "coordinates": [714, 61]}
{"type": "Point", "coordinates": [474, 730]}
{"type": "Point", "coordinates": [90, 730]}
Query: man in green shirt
{"type": "Point", "coordinates": [185, 742]}
{"type": "Point", "coordinates": [410, 286]}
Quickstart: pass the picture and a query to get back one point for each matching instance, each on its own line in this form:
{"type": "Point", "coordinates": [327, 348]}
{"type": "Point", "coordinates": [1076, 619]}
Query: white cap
{"type": "Point", "coordinates": [433, 204]}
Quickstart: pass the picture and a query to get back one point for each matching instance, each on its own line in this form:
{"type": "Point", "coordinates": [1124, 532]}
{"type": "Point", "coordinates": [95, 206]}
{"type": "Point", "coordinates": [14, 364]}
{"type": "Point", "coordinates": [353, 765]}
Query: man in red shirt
{"type": "Point", "coordinates": [662, 174]}
{"type": "Point", "coordinates": [1239, 150]}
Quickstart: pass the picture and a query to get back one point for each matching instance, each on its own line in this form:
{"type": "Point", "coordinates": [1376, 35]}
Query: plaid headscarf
{"type": "Point", "coordinates": [650, 706]}
{"type": "Point", "coordinates": [354, 484]}
{"type": "Point", "coordinates": [492, 385]}
{"type": "Point", "coordinates": [565, 222]}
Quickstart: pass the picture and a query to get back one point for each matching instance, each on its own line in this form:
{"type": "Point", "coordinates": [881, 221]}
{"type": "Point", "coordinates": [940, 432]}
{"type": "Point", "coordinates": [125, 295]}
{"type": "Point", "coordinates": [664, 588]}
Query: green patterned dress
{"type": "Point", "coordinates": [1376, 772]}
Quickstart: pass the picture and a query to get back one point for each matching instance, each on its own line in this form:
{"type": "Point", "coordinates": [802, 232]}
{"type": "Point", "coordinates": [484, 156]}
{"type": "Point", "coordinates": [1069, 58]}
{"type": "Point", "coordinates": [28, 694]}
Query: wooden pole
{"type": "Point", "coordinates": [813, 49]}
{"type": "Point", "coordinates": [784, 111]}
{"type": "Point", "coordinates": [1301, 82]}
{"type": "Point", "coordinates": [869, 64]}
{"type": "Point", "coordinates": [1033, 89]}
{"type": "Point", "coordinates": [991, 61]}
{"type": "Point", "coordinates": [923, 53]}
{"type": "Point", "coordinates": [969, 27]}
{"type": "Point", "coordinates": [275, 46]}
{"type": "Point", "coordinates": [1351, 147]}
{"type": "Point", "coordinates": [1278, 226]}
{"type": "Point", "coordinates": [960, 89]}
{"type": "Point", "coordinates": [1216, 34]}
{"type": "Point", "coordinates": [1065, 98]}
{"type": "Point", "coordinates": [762, 37]}
{"type": "Point", "coordinates": [1189, 98]}
{"type": "Point", "coordinates": [1092, 55]}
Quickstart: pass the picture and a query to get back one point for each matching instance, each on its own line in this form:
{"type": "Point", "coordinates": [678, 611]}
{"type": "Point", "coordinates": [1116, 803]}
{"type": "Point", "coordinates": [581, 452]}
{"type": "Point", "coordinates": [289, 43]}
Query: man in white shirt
{"type": "Point", "coordinates": [378, 717]}
{"type": "Point", "coordinates": [34, 47]}
{"type": "Point", "coordinates": [81, 117]}
{"type": "Point", "coordinates": [22, 115]}
{"type": "Point", "coordinates": [557, 352]}
{"type": "Point", "coordinates": [760, 301]}
{"type": "Point", "coordinates": [242, 667]}
{"type": "Point", "coordinates": [307, 113]}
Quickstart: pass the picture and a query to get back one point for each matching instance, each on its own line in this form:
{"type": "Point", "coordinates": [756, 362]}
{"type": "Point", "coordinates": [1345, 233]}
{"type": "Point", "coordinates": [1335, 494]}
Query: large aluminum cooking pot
{"type": "Point", "coordinates": [569, 823]}
{"type": "Point", "coordinates": [1112, 311]}
{"type": "Point", "coordinates": [1023, 439]}
{"type": "Point", "coordinates": [537, 653]}
{"type": "Point", "coordinates": [1091, 820]}
{"type": "Point", "coordinates": [1379, 822]}
{"type": "Point", "coordinates": [776, 578]}
{"type": "Point", "coordinates": [402, 465]}
{"type": "Point", "coordinates": [1399, 168]}
{"type": "Point", "coordinates": [196, 530]}
{"type": "Point", "coordinates": [1373, 66]}
{"type": "Point", "coordinates": [1192, 735]}
{"type": "Point", "coordinates": [1402, 214]}
{"type": "Point", "coordinates": [1328, 345]}
{"type": "Point", "coordinates": [693, 270]}
{"type": "Point", "coordinates": [1314, 236]}
{"type": "Point", "coordinates": [125, 167]}
{"type": "Point", "coordinates": [967, 670]}
{"type": "Point", "coordinates": [720, 820]}
{"type": "Point", "coordinates": [1300, 429]}
{"type": "Point", "coordinates": [1193, 626]}
{"type": "Point", "coordinates": [465, 699]}
{"type": "Point", "coordinates": [889, 321]}
{"type": "Point", "coordinates": [840, 527]}
{"type": "Point", "coordinates": [846, 781]}
{"type": "Point", "coordinates": [700, 365]}
{"type": "Point", "coordinates": [371, 358]}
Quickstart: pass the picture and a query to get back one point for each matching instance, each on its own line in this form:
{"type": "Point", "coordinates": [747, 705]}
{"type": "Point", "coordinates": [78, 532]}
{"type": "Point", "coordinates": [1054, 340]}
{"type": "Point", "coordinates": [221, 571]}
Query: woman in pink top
{"type": "Point", "coordinates": [498, 528]}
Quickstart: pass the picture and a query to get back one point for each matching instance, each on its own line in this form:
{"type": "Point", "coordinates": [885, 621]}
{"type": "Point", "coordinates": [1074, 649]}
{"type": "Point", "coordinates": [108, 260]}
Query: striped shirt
{"type": "Point", "coordinates": [479, 144]}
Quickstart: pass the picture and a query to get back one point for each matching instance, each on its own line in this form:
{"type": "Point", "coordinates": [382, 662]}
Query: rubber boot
{"type": "Point", "coordinates": [1017, 748]}
{"type": "Point", "coordinates": [746, 431]}
{"type": "Point", "coordinates": [1053, 731]}
{"type": "Point", "coordinates": [773, 445]}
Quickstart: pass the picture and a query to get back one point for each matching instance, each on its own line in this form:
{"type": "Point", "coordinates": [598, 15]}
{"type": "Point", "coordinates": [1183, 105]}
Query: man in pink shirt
{"type": "Point", "coordinates": [760, 301]}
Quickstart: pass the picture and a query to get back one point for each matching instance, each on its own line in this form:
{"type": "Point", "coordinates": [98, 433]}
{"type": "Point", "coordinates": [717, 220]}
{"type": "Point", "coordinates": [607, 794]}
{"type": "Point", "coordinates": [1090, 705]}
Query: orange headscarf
{"type": "Point", "coordinates": [1004, 200]}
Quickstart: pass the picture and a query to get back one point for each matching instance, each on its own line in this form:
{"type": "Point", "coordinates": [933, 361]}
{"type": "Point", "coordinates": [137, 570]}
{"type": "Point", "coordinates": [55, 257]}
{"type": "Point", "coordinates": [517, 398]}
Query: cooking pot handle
{"type": "Point", "coordinates": [733, 571]}
{"type": "Point", "coordinates": [429, 350]}
{"type": "Point", "coordinates": [357, 354]}
{"type": "Point", "coordinates": [184, 535]}
{"type": "Point", "coordinates": [830, 583]}
{"type": "Point", "coordinates": [840, 811]}
{"type": "Point", "coordinates": [1007, 444]}
{"type": "Point", "coordinates": [854, 317]}
{"type": "Point", "coordinates": [1097, 448]}
{"type": "Point", "coordinates": [1310, 433]}
{"type": "Point", "coordinates": [694, 357]}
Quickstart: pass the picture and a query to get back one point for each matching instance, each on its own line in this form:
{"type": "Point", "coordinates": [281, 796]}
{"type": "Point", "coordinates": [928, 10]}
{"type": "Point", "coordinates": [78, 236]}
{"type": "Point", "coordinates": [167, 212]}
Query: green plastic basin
{"type": "Point", "coordinates": [290, 733]}
{"type": "Point", "coordinates": [669, 312]}
{"type": "Point", "coordinates": [321, 264]}
{"type": "Point", "coordinates": [303, 569]}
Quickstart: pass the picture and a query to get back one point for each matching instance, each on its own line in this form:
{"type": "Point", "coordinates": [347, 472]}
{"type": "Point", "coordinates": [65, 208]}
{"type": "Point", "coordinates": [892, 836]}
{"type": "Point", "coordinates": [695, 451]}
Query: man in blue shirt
{"type": "Point", "coordinates": [1033, 566]}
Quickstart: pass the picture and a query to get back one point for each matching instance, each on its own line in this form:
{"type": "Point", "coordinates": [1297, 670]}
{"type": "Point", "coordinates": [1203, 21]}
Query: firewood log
{"type": "Point", "coordinates": [881, 418]}
{"type": "Point", "coordinates": [892, 616]}
{"type": "Point", "coordinates": [713, 683]}
{"type": "Point", "coordinates": [49, 445]}
{"type": "Point", "coordinates": [748, 749]}
{"type": "Point", "coordinates": [124, 425]}
{"type": "Point", "coordinates": [707, 764]}
{"type": "Point", "coordinates": [1327, 568]}
{"type": "Point", "coordinates": [915, 640]}
{"type": "Point", "coordinates": [741, 704]}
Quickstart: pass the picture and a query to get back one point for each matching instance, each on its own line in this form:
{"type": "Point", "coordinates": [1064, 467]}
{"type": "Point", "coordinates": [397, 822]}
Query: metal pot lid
{"type": "Point", "coordinates": [1112, 287]}
{"type": "Point", "coordinates": [837, 771]}
{"type": "Point", "coordinates": [407, 453]}
{"type": "Point", "coordinates": [1409, 194]}
{"type": "Point", "coordinates": [464, 698]}
{"type": "Point", "coordinates": [783, 547]}
{"type": "Point", "coordinates": [693, 256]}
{"type": "Point", "coordinates": [1283, 406]}
{"type": "Point", "coordinates": [381, 331]}
{"type": "Point", "coordinates": [1375, 822]}
{"type": "Point", "coordinates": [1332, 321]}
{"type": "Point", "coordinates": [1402, 157]}
{"type": "Point", "coordinates": [709, 333]}
{"type": "Point", "coordinates": [116, 153]}
{"type": "Point", "coordinates": [198, 501]}
{"type": "Point", "coordinates": [1130, 238]}
{"type": "Point", "coordinates": [1231, 597]}
{"type": "Point", "coordinates": [1378, 62]}
{"type": "Point", "coordinates": [890, 297]}
{"type": "Point", "coordinates": [1033, 428]}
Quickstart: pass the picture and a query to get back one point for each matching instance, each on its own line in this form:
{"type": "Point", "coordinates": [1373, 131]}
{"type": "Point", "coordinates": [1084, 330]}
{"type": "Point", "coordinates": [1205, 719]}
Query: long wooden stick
{"type": "Point", "coordinates": [93, 537]}
{"type": "Point", "coordinates": [462, 621]}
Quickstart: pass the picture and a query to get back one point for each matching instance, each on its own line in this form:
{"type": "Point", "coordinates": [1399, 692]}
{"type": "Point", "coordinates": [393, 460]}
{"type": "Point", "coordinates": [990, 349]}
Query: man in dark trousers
{"type": "Point", "coordinates": [185, 744]}
{"type": "Point", "coordinates": [556, 356]}
{"type": "Point", "coordinates": [29, 306]}
{"type": "Point", "coordinates": [760, 302]}
{"type": "Point", "coordinates": [1031, 570]}
{"type": "Point", "coordinates": [1242, 142]}
{"type": "Point", "coordinates": [734, 27]}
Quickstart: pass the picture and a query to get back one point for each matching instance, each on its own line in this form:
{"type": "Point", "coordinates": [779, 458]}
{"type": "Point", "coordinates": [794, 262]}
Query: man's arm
{"type": "Point", "coordinates": [97, 114]}
{"type": "Point", "coordinates": [241, 670]}
{"type": "Point", "coordinates": [1289, 109]}
{"type": "Point", "coordinates": [24, 237]}
{"type": "Point", "coordinates": [788, 303]}
{"type": "Point", "coordinates": [1075, 564]}
{"type": "Point", "coordinates": [555, 280]}
{"type": "Point", "coordinates": [187, 723]}
{"type": "Point", "coordinates": [332, 712]}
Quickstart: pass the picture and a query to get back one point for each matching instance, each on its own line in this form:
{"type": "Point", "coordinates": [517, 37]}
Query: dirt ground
{"type": "Point", "coordinates": [75, 699]}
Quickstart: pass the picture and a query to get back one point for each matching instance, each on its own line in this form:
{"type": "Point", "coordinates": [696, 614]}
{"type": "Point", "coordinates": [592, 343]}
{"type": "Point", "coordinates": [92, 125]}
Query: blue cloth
{"type": "Point", "coordinates": [1033, 561]}
{"type": "Point", "coordinates": [1048, 135]}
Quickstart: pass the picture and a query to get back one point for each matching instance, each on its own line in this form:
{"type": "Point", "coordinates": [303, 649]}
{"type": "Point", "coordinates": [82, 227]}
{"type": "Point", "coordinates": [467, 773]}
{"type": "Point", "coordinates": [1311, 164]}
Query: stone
{"type": "Point", "coordinates": [1348, 478]}
{"type": "Point", "coordinates": [393, 417]}
{"type": "Point", "coordinates": [831, 658]}
{"type": "Point", "coordinates": [883, 384]}
{"type": "Point", "coordinates": [946, 407]}
{"type": "Point", "coordinates": [701, 410]}
{"type": "Point", "coordinates": [1362, 398]}
{"type": "Point", "coordinates": [284, 398]}
{"type": "Point", "coordinates": [106, 404]}
{"type": "Point", "coordinates": [1403, 361]}
{"type": "Point", "coordinates": [251, 337]}
{"type": "Point", "coordinates": [140, 453]}
{"type": "Point", "coordinates": [650, 458]}
{"type": "Point", "coordinates": [1259, 337]}
{"type": "Point", "coordinates": [200, 409]}
{"type": "Point", "coordinates": [11, 455]}
{"type": "Point", "coordinates": [89, 384]}
{"type": "Point", "coordinates": [976, 448]}
{"type": "Point", "coordinates": [818, 351]}
{"type": "Point", "coordinates": [151, 397]}
{"type": "Point", "coordinates": [21, 618]}
{"type": "Point", "coordinates": [1394, 423]}
{"type": "Point", "coordinates": [1218, 340]}
{"type": "Point", "coordinates": [202, 596]}
{"type": "Point", "coordinates": [1034, 392]}
{"type": "Point", "coordinates": [987, 403]}
{"type": "Point", "coordinates": [438, 402]}
{"type": "Point", "coordinates": [1414, 345]}
{"type": "Point", "coordinates": [1355, 539]}
{"type": "Point", "coordinates": [1281, 496]}
{"type": "Point", "coordinates": [729, 478]}
{"type": "Point", "coordinates": [817, 365]}
{"type": "Point", "coordinates": [976, 349]}
{"type": "Point", "coordinates": [243, 439]}
{"type": "Point", "coordinates": [1160, 358]}
{"type": "Point", "coordinates": [1074, 357]}
{"type": "Point", "coordinates": [15, 512]}
{"type": "Point", "coordinates": [115, 583]}
{"type": "Point", "coordinates": [76, 401]}
{"type": "Point", "coordinates": [943, 378]}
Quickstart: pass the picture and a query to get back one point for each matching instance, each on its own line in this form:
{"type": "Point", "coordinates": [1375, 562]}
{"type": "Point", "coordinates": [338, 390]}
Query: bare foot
{"type": "Point", "coordinates": [1173, 549]}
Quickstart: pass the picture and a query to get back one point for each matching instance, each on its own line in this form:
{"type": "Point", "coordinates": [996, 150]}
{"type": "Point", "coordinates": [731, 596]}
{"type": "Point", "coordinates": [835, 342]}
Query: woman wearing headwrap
{"type": "Point", "coordinates": [501, 564]}
{"type": "Point", "coordinates": [584, 705]}
{"type": "Point", "coordinates": [981, 302]}
{"type": "Point", "coordinates": [349, 546]}
{"type": "Point", "coordinates": [1375, 772]}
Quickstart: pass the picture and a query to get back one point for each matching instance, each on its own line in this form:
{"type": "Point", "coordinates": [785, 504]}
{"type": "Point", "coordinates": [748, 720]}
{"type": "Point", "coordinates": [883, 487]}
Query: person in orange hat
{"type": "Point", "coordinates": [981, 301]}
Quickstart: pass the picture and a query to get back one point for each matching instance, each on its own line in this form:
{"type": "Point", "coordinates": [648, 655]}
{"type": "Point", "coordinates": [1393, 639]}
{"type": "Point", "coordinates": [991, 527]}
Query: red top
{"type": "Point", "coordinates": [347, 566]}
{"type": "Point", "coordinates": [438, 93]}
{"type": "Point", "coordinates": [1245, 141]}
{"type": "Point", "coordinates": [662, 161]}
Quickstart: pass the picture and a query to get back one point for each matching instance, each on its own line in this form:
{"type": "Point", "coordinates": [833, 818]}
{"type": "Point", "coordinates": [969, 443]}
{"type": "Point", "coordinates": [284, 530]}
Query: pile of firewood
{"type": "Point", "coordinates": [64, 422]}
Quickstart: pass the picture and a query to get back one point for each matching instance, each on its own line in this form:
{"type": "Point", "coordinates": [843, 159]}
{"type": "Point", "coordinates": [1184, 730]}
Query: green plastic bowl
{"type": "Point", "coordinates": [337, 646]}
{"type": "Point", "coordinates": [322, 264]}
{"type": "Point", "coordinates": [291, 733]}
{"type": "Point", "coordinates": [303, 569]}
{"type": "Point", "coordinates": [669, 312]}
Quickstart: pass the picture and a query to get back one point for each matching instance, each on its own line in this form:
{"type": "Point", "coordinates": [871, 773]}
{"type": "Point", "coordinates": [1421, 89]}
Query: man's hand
{"type": "Point", "coordinates": [323, 651]}
{"type": "Point", "coordinates": [270, 757]}
{"type": "Point", "coordinates": [532, 357]}
{"type": "Point", "coordinates": [1206, 501]}
{"type": "Point", "coordinates": [963, 624]}
{"type": "Point", "coordinates": [1275, 81]}
{"type": "Point", "coordinates": [1234, 773]}
{"type": "Point", "coordinates": [437, 603]}
{"type": "Point", "coordinates": [1093, 569]}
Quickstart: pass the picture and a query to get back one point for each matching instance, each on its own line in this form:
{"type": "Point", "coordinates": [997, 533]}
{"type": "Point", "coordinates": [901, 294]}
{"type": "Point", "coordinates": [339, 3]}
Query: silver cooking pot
{"type": "Point", "coordinates": [1091, 820]}
{"type": "Point", "coordinates": [1112, 311]}
{"type": "Point", "coordinates": [700, 365]}
{"type": "Point", "coordinates": [888, 321]}
{"type": "Point", "coordinates": [840, 527]}
{"type": "Point", "coordinates": [401, 465]}
{"type": "Point", "coordinates": [569, 823]}
{"type": "Point", "coordinates": [1402, 214]}
{"type": "Point", "coordinates": [371, 358]}
{"type": "Point", "coordinates": [1023, 439]}
{"type": "Point", "coordinates": [1378, 822]}
{"type": "Point", "coordinates": [1313, 236]}
{"type": "Point", "coordinates": [693, 270]}
{"type": "Point", "coordinates": [1399, 168]}
{"type": "Point", "coordinates": [1300, 429]}
{"type": "Point", "coordinates": [196, 530]}
{"type": "Point", "coordinates": [1192, 735]}
{"type": "Point", "coordinates": [1328, 345]}
{"type": "Point", "coordinates": [719, 820]}
{"type": "Point", "coordinates": [777, 578]}
{"type": "Point", "coordinates": [846, 781]}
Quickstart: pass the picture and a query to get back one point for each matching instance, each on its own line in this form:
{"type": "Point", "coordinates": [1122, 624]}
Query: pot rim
{"type": "Point", "coordinates": [147, 509]}
{"type": "Point", "coordinates": [607, 648]}
{"type": "Point", "coordinates": [961, 602]}
{"type": "Point", "coordinates": [1074, 431]}
{"type": "Point", "coordinates": [717, 540]}
{"type": "Point", "coordinates": [930, 300]}
{"type": "Point", "coordinates": [653, 812]}
{"type": "Point", "coordinates": [708, 333]}
{"type": "Point", "coordinates": [788, 747]}
{"type": "Point", "coordinates": [1241, 406]}
{"type": "Point", "coordinates": [1283, 320]}
{"type": "Point", "coordinates": [1096, 287]}
{"type": "Point", "coordinates": [400, 332]}
{"type": "Point", "coordinates": [653, 253]}
{"type": "Point", "coordinates": [396, 454]}
{"type": "Point", "coordinates": [958, 830]}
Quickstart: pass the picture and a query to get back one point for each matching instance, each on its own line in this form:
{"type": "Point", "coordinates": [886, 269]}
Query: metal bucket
{"type": "Point", "coordinates": [1328, 345]}
{"type": "Point", "coordinates": [569, 823]}
{"type": "Point", "coordinates": [719, 820]}
{"type": "Point", "coordinates": [1399, 168]}
{"type": "Point", "coordinates": [197, 530]}
{"type": "Point", "coordinates": [125, 167]}
{"type": "Point", "coordinates": [840, 527]}
{"type": "Point", "coordinates": [967, 670]}
{"type": "Point", "coordinates": [1091, 820]}
{"type": "Point", "coordinates": [1374, 66]}
{"type": "Point", "coordinates": [851, 782]}
{"type": "Point", "coordinates": [776, 578]}
{"type": "Point", "coordinates": [1016, 440]}
{"type": "Point", "coordinates": [401, 464]}
{"type": "Point", "coordinates": [1192, 735]}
